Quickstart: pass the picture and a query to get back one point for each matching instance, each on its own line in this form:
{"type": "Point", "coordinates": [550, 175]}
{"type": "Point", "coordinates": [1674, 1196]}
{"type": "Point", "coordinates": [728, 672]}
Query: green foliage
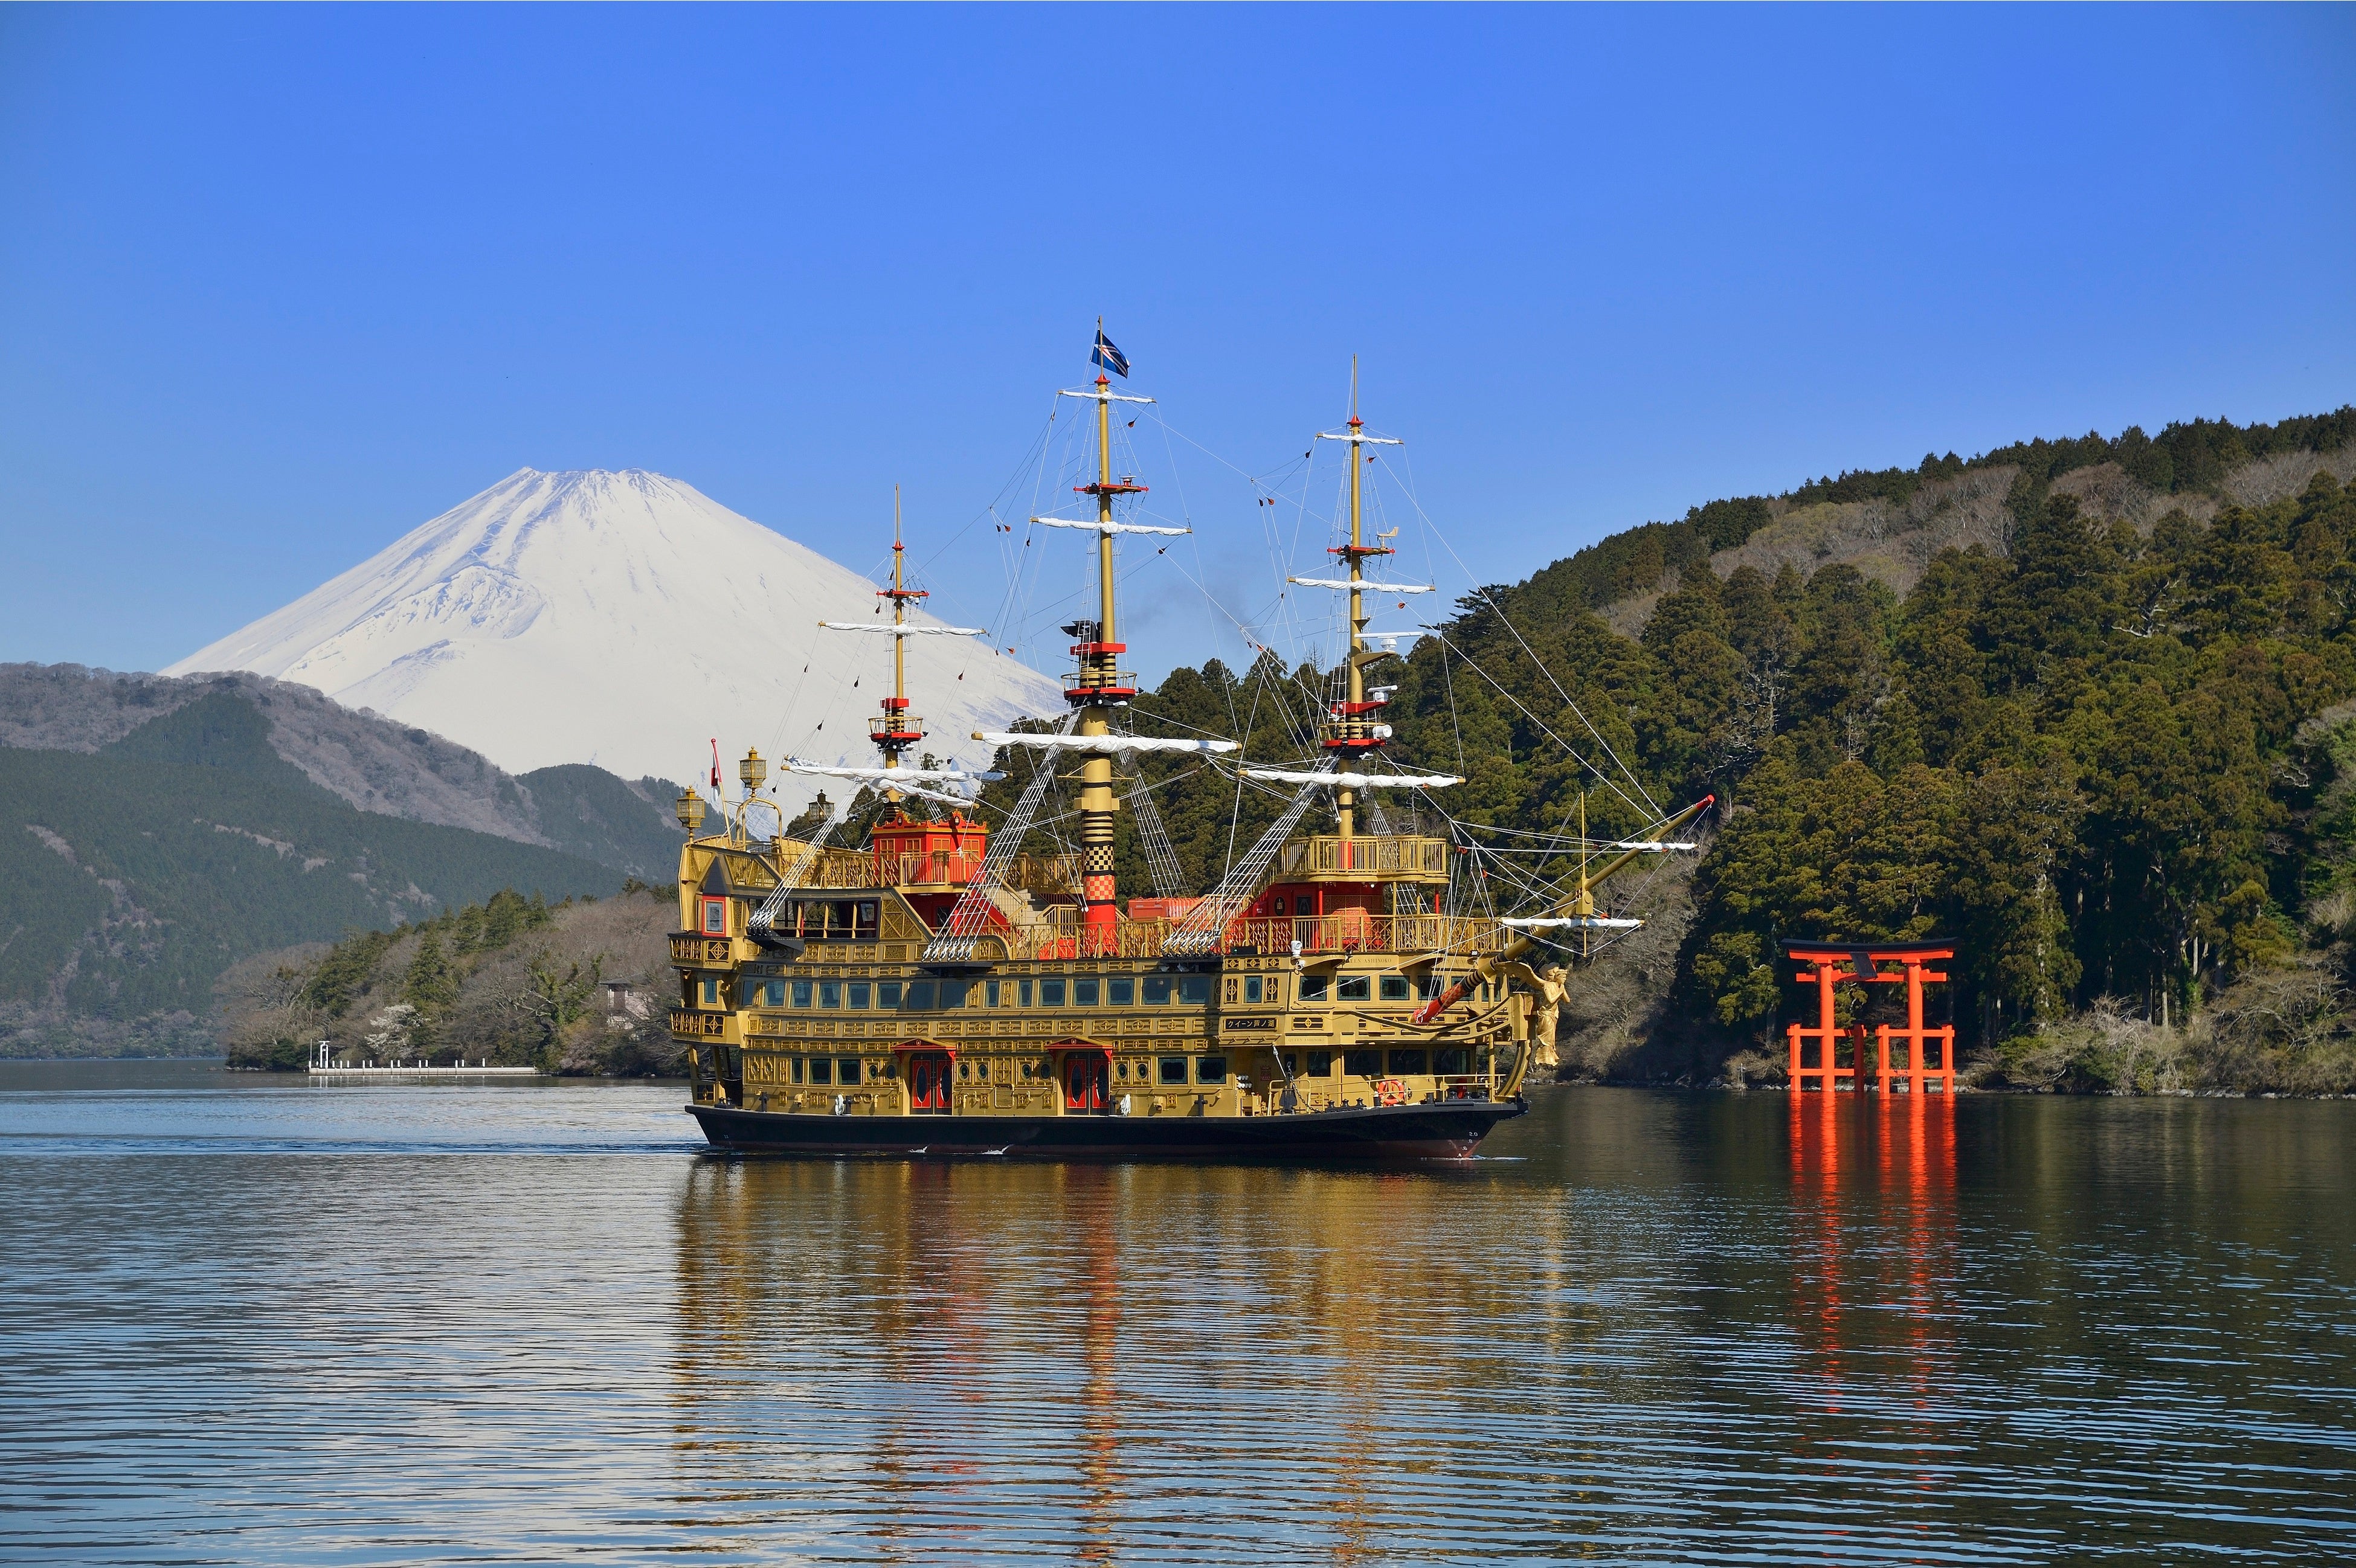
{"type": "Point", "coordinates": [2107, 763]}
{"type": "Point", "coordinates": [132, 878]}
{"type": "Point", "coordinates": [587, 811]}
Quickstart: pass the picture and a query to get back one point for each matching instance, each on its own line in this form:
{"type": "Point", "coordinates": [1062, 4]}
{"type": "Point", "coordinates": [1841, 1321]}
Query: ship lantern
{"type": "Point", "coordinates": [752, 770]}
{"type": "Point", "coordinates": [689, 810]}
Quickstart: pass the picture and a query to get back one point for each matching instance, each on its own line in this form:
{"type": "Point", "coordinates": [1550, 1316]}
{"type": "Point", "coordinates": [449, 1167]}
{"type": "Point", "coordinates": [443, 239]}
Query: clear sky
{"type": "Point", "coordinates": [277, 285]}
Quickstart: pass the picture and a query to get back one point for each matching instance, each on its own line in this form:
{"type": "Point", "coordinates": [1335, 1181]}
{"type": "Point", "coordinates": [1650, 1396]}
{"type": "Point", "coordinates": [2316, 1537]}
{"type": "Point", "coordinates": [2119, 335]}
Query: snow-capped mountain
{"type": "Point", "coordinates": [622, 619]}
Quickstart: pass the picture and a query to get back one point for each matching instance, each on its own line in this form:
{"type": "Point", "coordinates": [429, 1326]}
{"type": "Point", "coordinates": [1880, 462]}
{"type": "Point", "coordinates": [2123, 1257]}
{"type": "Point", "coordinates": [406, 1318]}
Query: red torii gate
{"type": "Point", "coordinates": [1918, 1057]}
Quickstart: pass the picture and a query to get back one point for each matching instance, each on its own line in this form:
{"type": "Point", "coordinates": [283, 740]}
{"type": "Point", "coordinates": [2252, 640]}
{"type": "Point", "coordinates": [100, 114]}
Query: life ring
{"type": "Point", "coordinates": [1390, 1092]}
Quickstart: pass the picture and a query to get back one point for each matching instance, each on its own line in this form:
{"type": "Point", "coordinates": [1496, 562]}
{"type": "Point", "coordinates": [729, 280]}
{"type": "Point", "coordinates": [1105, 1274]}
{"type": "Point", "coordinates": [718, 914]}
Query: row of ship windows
{"type": "Point", "coordinates": [1173, 1070]}
{"type": "Point", "coordinates": [1084, 991]}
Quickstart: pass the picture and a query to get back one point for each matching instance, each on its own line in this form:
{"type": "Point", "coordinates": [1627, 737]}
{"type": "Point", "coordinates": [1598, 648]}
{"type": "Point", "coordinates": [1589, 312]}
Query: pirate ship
{"type": "Point", "coordinates": [939, 990]}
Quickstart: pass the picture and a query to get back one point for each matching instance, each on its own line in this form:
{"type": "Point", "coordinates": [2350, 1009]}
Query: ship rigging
{"type": "Point", "coordinates": [1351, 993]}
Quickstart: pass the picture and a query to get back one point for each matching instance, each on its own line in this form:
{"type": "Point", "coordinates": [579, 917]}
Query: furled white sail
{"type": "Point", "coordinates": [1368, 587]}
{"type": "Point", "coordinates": [1355, 780]}
{"type": "Point", "coordinates": [919, 776]}
{"type": "Point", "coordinates": [1094, 526]}
{"type": "Point", "coordinates": [1111, 744]}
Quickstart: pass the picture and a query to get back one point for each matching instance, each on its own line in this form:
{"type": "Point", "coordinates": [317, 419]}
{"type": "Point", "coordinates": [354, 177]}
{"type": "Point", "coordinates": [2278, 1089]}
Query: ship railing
{"type": "Point", "coordinates": [1370, 852]}
{"type": "Point", "coordinates": [1051, 875]}
{"type": "Point", "coordinates": [1066, 939]}
{"type": "Point", "coordinates": [1358, 931]}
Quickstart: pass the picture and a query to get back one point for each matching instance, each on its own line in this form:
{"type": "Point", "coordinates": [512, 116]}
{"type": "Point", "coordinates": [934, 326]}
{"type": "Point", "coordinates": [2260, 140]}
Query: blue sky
{"type": "Point", "coordinates": [277, 285]}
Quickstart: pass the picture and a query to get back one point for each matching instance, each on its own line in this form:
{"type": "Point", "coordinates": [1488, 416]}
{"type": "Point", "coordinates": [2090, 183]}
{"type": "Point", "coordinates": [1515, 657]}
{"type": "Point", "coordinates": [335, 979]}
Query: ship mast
{"type": "Point", "coordinates": [1353, 732]}
{"type": "Point", "coordinates": [1098, 682]}
{"type": "Point", "coordinates": [897, 729]}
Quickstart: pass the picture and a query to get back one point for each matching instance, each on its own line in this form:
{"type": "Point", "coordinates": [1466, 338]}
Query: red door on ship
{"type": "Point", "coordinates": [928, 1081]}
{"type": "Point", "coordinates": [1083, 1082]}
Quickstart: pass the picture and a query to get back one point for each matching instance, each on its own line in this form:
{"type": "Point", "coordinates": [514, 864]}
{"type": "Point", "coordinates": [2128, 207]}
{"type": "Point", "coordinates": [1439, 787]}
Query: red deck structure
{"type": "Point", "coordinates": [1912, 1058]}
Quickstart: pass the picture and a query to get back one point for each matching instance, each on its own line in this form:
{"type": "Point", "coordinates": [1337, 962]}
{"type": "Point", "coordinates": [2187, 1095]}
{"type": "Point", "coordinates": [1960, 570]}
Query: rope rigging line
{"type": "Point", "coordinates": [954, 942]}
{"type": "Point", "coordinates": [764, 919]}
{"type": "Point", "coordinates": [1647, 803]}
{"type": "Point", "coordinates": [1504, 620]}
{"type": "Point", "coordinates": [1198, 935]}
{"type": "Point", "coordinates": [1161, 855]}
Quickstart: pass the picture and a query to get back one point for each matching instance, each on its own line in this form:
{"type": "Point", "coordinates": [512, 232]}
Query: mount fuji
{"type": "Point", "coordinates": [624, 619]}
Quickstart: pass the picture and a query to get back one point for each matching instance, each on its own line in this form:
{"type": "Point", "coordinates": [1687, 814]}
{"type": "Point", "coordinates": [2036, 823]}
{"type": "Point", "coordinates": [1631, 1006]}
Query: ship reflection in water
{"type": "Point", "coordinates": [275, 1323]}
{"type": "Point", "coordinates": [1777, 1327]}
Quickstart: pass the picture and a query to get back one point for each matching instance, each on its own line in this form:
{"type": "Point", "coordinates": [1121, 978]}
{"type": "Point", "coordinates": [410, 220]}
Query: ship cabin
{"type": "Point", "coordinates": [1307, 1004]}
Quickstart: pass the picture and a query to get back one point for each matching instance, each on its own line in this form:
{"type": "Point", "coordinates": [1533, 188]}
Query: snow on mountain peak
{"type": "Point", "coordinates": [623, 618]}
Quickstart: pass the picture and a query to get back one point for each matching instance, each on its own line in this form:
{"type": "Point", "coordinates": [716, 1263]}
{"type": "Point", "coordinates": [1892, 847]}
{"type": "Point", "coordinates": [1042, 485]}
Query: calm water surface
{"type": "Point", "coordinates": [248, 1321]}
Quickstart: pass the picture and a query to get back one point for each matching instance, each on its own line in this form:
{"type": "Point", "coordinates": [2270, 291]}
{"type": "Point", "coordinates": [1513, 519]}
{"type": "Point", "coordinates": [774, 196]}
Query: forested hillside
{"type": "Point", "coordinates": [369, 761]}
{"type": "Point", "coordinates": [2103, 736]}
{"type": "Point", "coordinates": [132, 876]}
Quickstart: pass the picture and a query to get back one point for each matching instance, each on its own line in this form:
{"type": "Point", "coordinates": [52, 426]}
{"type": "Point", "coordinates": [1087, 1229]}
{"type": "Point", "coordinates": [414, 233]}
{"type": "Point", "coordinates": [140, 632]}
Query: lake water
{"type": "Point", "coordinates": [249, 1321]}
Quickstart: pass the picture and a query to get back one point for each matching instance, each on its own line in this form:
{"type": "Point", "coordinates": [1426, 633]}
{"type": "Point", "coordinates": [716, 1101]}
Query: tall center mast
{"type": "Point", "coordinates": [1353, 732]}
{"type": "Point", "coordinates": [1100, 687]}
{"type": "Point", "coordinates": [896, 728]}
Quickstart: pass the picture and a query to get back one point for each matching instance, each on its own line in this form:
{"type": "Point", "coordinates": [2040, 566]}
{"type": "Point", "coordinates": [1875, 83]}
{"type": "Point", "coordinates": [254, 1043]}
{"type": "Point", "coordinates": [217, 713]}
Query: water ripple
{"type": "Point", "coordinates": [252, 1321]}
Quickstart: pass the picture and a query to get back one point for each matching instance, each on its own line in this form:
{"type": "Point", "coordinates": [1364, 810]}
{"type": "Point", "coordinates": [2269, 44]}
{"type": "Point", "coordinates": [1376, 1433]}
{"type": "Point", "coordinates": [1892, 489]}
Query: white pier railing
{"type": "Point", "coordinates": [379, 1072]}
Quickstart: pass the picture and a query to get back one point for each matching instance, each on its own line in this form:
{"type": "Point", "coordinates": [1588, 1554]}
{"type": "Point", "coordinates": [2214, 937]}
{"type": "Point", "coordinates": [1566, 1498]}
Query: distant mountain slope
{"type": "Point", "coordinates": [371, 762]}
{"type": "Point", "coordinates": [133, 875]}
{"type": "Point", "coordinates": [622, 619]}
{"type": "Point", "coordinates": [1889, 523]}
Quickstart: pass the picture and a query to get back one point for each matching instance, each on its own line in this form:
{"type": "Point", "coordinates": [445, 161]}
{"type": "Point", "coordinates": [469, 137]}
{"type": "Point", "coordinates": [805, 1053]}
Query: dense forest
{"type": "Point", "coordinates": [514, 980]}
{"type": "Point", "coordinates": [2116, 762]}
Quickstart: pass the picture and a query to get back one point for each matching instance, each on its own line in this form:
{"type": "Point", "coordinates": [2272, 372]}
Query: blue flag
{"type": "Point", "coordinates": [1111, 359]}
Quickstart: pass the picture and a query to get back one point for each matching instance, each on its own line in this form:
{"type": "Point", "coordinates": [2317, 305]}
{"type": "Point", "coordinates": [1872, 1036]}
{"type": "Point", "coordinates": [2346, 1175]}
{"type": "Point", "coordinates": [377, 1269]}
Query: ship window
{"type": "Point", "coordinates": [1312, 986]}
{"type": "Point", "coordinates": [865, 931]}
{"type": "Point", "coordinates": [772, 993]}
{"type": "Point", "coordinates": [1210, 1070]}
{"type": "Point", "coordinates": [801, 993]}
{"type": "Point", "coordinates": [1363, 1063]}
{"type": "Point", "coordinates": [830, 993]}
{"type": "Point", "coordinates": [846, 1069]}
{"type": "Point", "coordinates": [861, 994]}
{"type": "Point", "coordinates": [1427, 985]}
{"type": "Point", "coordinates": [1195, 990]}
{"type": "Point", "coordinates": [1173, 1070]}
{"type": "Point", "coordinates": [1321, 1064]}
{"type": "Point", "coordinates": [1157, 990]}
{"type": "Point", "coordinates": [953, 993]}
{"type": "Point", "coordinates": [1395, 987]}
{"type": "Point", "coordinates": [920, 995]}
{"type": "Point", "coordinates": [1455, 1060]}
{"type": "Point", "coordinates": [1051, 993]}
{"type": "Point", "coordinates": [1124, 991]}
{"type": "Point", "coordinates": [821, 1070]}
{"type": "Point", "coordinates": [1085, 991]}
{"type": "Point", "coordinates": [1406, 1061]}
{"type": "Point", "coordinates": [1355, 988]}
{"type": "Point", "coordinates": [796, 1069]}
{"type": "Point", "coordinates": [715, 917]}
{"type": "Point", "coordinates": [1023, 989]}
{"type": "Point", "coordinates": [1253, 987]}
{"type": "Point", "coordinates": [1277, 905]}
{"type": "Point", "coordinates": [989, 993]}
{"type": "Point", "coordinates": [888, 994]}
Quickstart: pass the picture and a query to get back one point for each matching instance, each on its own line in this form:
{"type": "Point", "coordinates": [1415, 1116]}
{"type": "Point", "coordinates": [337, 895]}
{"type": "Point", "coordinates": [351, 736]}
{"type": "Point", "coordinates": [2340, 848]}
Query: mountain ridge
{"type": "Point", "coordinates": [372, 763]}
{"type": "Point", "coordinates": [616, 617]}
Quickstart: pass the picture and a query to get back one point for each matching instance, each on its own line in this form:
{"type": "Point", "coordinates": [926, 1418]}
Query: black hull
{"type": "Point", "coordinates": [1376, 1135]}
